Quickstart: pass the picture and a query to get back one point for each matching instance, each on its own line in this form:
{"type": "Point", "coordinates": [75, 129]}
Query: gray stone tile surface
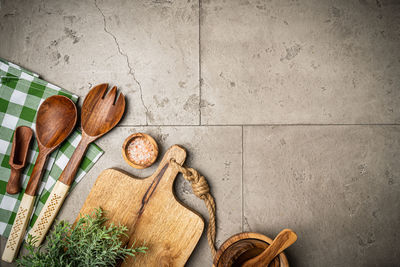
{"type": "Point", "coordinates": [338, 186]}
{"type": "Point", "coordinates": [260, 94]}
{"type": "Point", "coordinates": [148, 49]}
{"type": "Point", "coordinates": [302, 62]}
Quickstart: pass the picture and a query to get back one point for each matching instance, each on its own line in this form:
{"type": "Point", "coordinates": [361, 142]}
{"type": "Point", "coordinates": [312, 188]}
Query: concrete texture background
{"type": "Point", "coordinates": [289, 108]}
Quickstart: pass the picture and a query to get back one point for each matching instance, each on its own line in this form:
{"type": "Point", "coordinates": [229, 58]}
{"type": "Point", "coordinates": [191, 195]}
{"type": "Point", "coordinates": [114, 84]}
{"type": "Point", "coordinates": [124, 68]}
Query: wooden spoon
{"type": "Point", "coordinates": [283, 240]}
{"type": "Point", "coordinates": [56, 118]}
{"type": "Point", "coordinates": [100, 113]}
{"type": "Point", "coordinates": [19, 152]}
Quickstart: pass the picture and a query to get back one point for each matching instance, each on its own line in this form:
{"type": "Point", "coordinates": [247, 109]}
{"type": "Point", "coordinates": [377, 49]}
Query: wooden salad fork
{"type": "Point", "coordinates": [100, 113]}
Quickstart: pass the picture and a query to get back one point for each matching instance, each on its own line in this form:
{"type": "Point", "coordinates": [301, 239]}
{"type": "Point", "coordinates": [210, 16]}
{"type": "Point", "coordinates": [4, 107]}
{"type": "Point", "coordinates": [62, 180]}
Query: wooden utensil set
{"type": "Point", "coordinates": [56, 118]}
{"type": "Point", "coordinates": [148, 207]}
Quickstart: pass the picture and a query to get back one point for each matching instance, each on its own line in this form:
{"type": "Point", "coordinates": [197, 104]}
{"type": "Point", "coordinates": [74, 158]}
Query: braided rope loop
{"type": "Point", "coordinates": [201, 190]}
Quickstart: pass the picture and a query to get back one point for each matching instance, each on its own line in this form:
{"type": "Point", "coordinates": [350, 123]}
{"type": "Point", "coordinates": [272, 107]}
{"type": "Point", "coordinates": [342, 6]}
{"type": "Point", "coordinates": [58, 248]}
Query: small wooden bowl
{"type": "Point", "coordinates": [241, 247]}
{"type": "Point", "coordinates": [126, 145]}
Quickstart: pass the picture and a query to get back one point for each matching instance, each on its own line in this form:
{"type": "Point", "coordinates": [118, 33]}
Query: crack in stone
{"type": "Point", "coordinates": [131, 70]}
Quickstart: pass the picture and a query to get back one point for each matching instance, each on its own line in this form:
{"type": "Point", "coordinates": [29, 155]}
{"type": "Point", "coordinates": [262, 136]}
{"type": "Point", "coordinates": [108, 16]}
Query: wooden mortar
{"type": "Point", "coordinates": [241, 247]}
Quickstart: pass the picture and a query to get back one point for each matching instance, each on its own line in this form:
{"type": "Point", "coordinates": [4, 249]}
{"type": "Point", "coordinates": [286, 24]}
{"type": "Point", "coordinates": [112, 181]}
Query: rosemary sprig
{"type": "Point", "coordinates": [87, 243]}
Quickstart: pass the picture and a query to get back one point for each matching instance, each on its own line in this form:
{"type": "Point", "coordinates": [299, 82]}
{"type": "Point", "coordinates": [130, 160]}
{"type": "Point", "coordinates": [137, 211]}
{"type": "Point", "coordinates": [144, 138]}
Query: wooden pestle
{"type": "Point", "coordinates": [283, 240]}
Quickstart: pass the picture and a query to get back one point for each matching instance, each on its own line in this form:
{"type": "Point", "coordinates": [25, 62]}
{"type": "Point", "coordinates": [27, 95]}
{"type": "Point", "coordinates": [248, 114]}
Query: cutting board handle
{"type": "Point", "coordinates": [163, 178]}
{"type": "Point", "coordinates": [165, 175]}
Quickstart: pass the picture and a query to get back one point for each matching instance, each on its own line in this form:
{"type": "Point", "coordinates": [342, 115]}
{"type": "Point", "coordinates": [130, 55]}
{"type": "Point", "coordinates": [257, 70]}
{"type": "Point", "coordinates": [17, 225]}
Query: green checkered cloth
{"type": "Point", "coordinates": [21, 93]}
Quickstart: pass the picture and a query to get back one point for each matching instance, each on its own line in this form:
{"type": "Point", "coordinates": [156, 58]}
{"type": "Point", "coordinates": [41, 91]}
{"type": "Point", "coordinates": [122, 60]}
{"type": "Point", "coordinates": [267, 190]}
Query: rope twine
{"type": "Point", "coordinates": [201, 190]}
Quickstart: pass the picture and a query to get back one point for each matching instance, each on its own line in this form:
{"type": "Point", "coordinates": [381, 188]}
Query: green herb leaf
{"type": "Point", "coordinates": [88, 243]}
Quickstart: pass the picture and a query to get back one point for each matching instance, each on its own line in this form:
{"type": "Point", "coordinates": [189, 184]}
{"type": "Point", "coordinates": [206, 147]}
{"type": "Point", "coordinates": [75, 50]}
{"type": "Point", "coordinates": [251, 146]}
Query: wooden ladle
{"type": "Point", "coordinates": [56, 118]}
{"type": "Point", "coordinates": [19, 152]}
{"type": "Point", "coordinates": [100, 113]}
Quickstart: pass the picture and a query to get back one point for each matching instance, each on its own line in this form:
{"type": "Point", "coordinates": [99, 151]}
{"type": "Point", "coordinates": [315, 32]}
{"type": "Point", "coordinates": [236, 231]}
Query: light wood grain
{"type": "Point", "coordinates": [49, 212]}
{"type": "Point", "coordinates": [150, 210]}
{"type": "Point", "coordinates": [18, 229]}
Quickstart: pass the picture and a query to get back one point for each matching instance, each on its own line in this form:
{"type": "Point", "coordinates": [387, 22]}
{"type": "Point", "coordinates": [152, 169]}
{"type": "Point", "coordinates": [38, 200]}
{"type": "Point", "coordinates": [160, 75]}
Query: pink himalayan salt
{"type": "Point", "coordinates": [140, 151]}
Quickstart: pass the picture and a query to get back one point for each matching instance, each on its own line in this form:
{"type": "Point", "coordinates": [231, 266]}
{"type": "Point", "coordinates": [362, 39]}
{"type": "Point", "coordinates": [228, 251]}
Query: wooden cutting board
{"type": "Point", "coordinates": [151, 211]}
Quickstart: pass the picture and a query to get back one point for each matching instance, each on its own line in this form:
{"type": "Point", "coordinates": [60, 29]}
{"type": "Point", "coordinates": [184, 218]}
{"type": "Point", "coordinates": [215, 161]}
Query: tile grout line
{"type": "Point", "coordinates": [242, 193]}
{"type": "Point", "coordinates": [261, 125]}
{"type": "Point", "coordinates": [200, 81]}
